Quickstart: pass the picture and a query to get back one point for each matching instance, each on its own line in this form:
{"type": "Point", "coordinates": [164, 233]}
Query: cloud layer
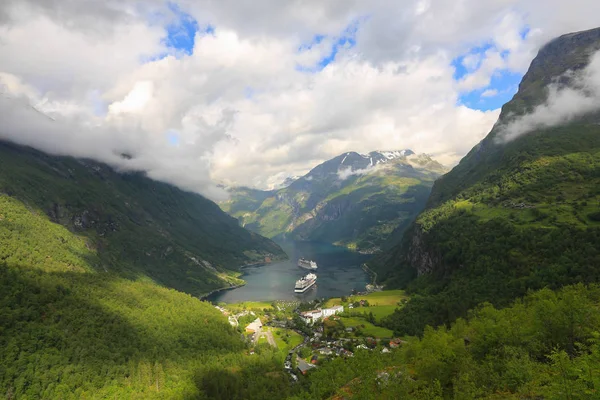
{"type": "Point", "coordinates": [563, 104]}
{"type": "Point", "coordinates": [267, 88]}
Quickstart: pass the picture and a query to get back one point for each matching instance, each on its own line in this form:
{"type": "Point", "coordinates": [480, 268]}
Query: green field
{"type": "Point", "coordinates": [294, 340]}
{"type": "Point", "coordinates": [384, 298]}
{"type": "Point", "coordinates": [249, 305]}
{"type": "Point", "coordinates": [369, 329]}
{"type": "Point", "coordinates": [378, 311]}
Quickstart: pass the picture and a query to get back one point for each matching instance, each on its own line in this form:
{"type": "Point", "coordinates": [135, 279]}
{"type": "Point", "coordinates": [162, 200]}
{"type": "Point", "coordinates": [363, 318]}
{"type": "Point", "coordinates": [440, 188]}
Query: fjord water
{"type": "Point", "coordinates": [339, 273]}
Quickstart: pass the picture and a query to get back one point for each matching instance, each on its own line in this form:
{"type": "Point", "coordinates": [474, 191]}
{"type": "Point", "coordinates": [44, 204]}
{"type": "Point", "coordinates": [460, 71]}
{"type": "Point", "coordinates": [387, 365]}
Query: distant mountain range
{"type": "Point", "coordinates": [361, 201]}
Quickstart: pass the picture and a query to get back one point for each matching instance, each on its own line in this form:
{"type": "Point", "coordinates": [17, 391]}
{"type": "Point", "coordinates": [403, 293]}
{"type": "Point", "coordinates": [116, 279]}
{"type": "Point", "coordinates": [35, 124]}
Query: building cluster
{"type": "Point", "coordinates": [310, 317]}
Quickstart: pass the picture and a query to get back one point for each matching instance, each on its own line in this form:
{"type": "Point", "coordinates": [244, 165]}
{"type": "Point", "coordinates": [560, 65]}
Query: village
{"type": "Point", "coordinates": [309, 334]}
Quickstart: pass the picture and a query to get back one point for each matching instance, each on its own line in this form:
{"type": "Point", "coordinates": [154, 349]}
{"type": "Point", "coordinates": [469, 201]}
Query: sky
{"type": "Point", "coordinates": [202, 94]}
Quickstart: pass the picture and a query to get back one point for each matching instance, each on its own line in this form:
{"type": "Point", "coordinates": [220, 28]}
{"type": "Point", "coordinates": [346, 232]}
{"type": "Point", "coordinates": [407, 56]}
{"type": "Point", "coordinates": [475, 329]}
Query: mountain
{"type": "Point", "coordinates": [74, 325]}
{"type": "Point", "coordinates": [137, 226]}
{"type": "Point", "coordinates": [518, 212]}
{"type": "Point", "coordinates": [361, 201]}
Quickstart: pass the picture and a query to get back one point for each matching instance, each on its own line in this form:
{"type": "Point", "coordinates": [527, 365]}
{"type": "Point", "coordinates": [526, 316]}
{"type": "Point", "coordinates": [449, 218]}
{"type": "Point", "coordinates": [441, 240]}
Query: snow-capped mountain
{"type": "Point", "coordinates": [356, 200]}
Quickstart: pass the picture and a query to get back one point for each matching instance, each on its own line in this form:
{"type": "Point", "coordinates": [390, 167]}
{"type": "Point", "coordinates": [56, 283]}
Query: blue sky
{"type": "Point", "coordinates": [180, 36]}
{"type": "Point", "coordinates": [181, 33]}
{"type": "Point", "coordinates": [504, 83]}
{"type": "Point", "coordinates": [347, 39]}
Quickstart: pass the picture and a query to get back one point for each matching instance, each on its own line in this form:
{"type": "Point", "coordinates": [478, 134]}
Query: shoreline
{"type": "Point", "coordinates": [205, 297]}
{"type": "Point", "coordinates": [257, 264]}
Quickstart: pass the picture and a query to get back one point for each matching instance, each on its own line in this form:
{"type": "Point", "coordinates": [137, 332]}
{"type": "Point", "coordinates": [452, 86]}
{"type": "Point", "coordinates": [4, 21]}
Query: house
{"type": "Point", "coordinates": [314, 359]}
{"type": "Point", "coordinates": [394, 343]}
{"type": "Point", "coordinates": [303, 366]}
{"type": "Point", "coordinates": [362, 346]}
{"type": "Point", "coordinates": [328, 312]}
{"type": "Point", "coordinates": [385, 350]}
{"type": "Point", "coordinates": [325, 351]}
{"type": "Point", "coordinates": [346, 353]}
{"type": "Point", "coordinates": [310, 317]}
{"type": "Point", "coordinates": [254, 326]}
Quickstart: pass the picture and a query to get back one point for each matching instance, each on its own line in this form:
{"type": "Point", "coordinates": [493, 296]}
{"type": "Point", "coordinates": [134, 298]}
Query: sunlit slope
{"type": "Point", "coordinates": [512, 216]}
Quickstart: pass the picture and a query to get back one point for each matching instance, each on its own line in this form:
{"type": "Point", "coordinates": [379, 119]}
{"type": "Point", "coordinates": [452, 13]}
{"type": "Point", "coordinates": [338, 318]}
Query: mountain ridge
{"type": "Point", "coordinates": [501, 222]}
{"type": "Point", "coordinates": [361, 201]}
{"type": "Point", "coordinates": [138, 226]}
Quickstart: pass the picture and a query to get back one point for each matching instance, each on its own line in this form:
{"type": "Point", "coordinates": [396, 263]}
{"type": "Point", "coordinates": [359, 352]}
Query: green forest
{"type": "Point", "coordinates": [69, 329]}
{"type": "Point", "coordinates": [138, 226]}
{"type": "Point", "coordinates": [545, 346]}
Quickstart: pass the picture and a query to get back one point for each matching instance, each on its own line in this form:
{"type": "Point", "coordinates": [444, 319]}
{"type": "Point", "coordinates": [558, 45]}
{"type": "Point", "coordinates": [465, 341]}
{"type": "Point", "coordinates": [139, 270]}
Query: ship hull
{"type": "Point", "coordinates": [307, 267]}
{"type": "Point", "coordinates": [302, 290]}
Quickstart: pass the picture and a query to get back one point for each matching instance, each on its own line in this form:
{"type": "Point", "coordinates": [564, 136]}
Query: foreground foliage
{"type": "Point", "coordinates": [544, 346]}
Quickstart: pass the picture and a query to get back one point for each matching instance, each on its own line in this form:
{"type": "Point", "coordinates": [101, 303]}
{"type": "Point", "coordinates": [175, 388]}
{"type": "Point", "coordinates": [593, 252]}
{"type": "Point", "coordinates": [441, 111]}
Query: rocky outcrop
{"type": "Point", "coordinates": [420, 255]}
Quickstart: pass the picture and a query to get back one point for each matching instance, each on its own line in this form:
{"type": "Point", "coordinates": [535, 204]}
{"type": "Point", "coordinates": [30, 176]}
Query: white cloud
{"type": "Point", "coordinates": [345, 173]}
{"type": "Point", "coordinates": [238, 110]}
{"type": "Point", "coordinates": [582, 96]}
{"type": "Point", "coordinates": [489, 93]}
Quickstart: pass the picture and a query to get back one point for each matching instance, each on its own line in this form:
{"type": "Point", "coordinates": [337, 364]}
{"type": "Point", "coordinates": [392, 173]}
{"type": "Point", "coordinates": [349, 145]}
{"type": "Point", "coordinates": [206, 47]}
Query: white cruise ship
{"type": "Point", "coordinates": [305, 283]}
{"type": "Point", "coordinates": [307, 264]}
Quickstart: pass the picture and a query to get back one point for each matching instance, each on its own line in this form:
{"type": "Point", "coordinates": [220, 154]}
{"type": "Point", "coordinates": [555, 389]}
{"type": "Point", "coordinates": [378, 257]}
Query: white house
{"type": "Point", "coordinates": [310, 317]}
{"type": "Point", "coordinates": [328, 312]}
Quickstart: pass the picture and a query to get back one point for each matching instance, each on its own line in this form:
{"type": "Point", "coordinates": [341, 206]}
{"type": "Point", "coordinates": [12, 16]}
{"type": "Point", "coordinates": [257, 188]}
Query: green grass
{"type": "Point", "coordinates": [249, 305]}
{"type": "Point", "coordinates": [369, 329]}
{"type": "Point", "coordinates": [383, 298]}
{"type": "Point", "coordinates": [379, 312]}
{"type": "Point", "coordinates": [294, 339]}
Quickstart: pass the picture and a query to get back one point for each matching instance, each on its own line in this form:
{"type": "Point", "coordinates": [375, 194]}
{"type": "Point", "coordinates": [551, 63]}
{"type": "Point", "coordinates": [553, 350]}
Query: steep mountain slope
{"type": "Point", "coordinates": [70, 330]}
{"type": "Point", "coordinates": [361, 201]}
{"type": "Point", "coordinates": [512, 216]}
{"type": "Point", "coordinates": [138, 227]}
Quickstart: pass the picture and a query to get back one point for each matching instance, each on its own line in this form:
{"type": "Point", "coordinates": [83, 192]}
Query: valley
{"type": "Point", "coordinates": [119, 279]}
{"type": "Point", "coordinates": [360, 201]}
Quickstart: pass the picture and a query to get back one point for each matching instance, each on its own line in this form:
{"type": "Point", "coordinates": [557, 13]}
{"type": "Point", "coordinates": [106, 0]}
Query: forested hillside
{"type": "Point", "coordinates": [513, 215]}
{"type": "Point", "coordinates": [542, 347]}
{"type": "Point", "coordinates": [70, 330]}
{"type": "Point", "coordinates": [137, 227]}
{"type": "Point", "coordinates": [360, 201]}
